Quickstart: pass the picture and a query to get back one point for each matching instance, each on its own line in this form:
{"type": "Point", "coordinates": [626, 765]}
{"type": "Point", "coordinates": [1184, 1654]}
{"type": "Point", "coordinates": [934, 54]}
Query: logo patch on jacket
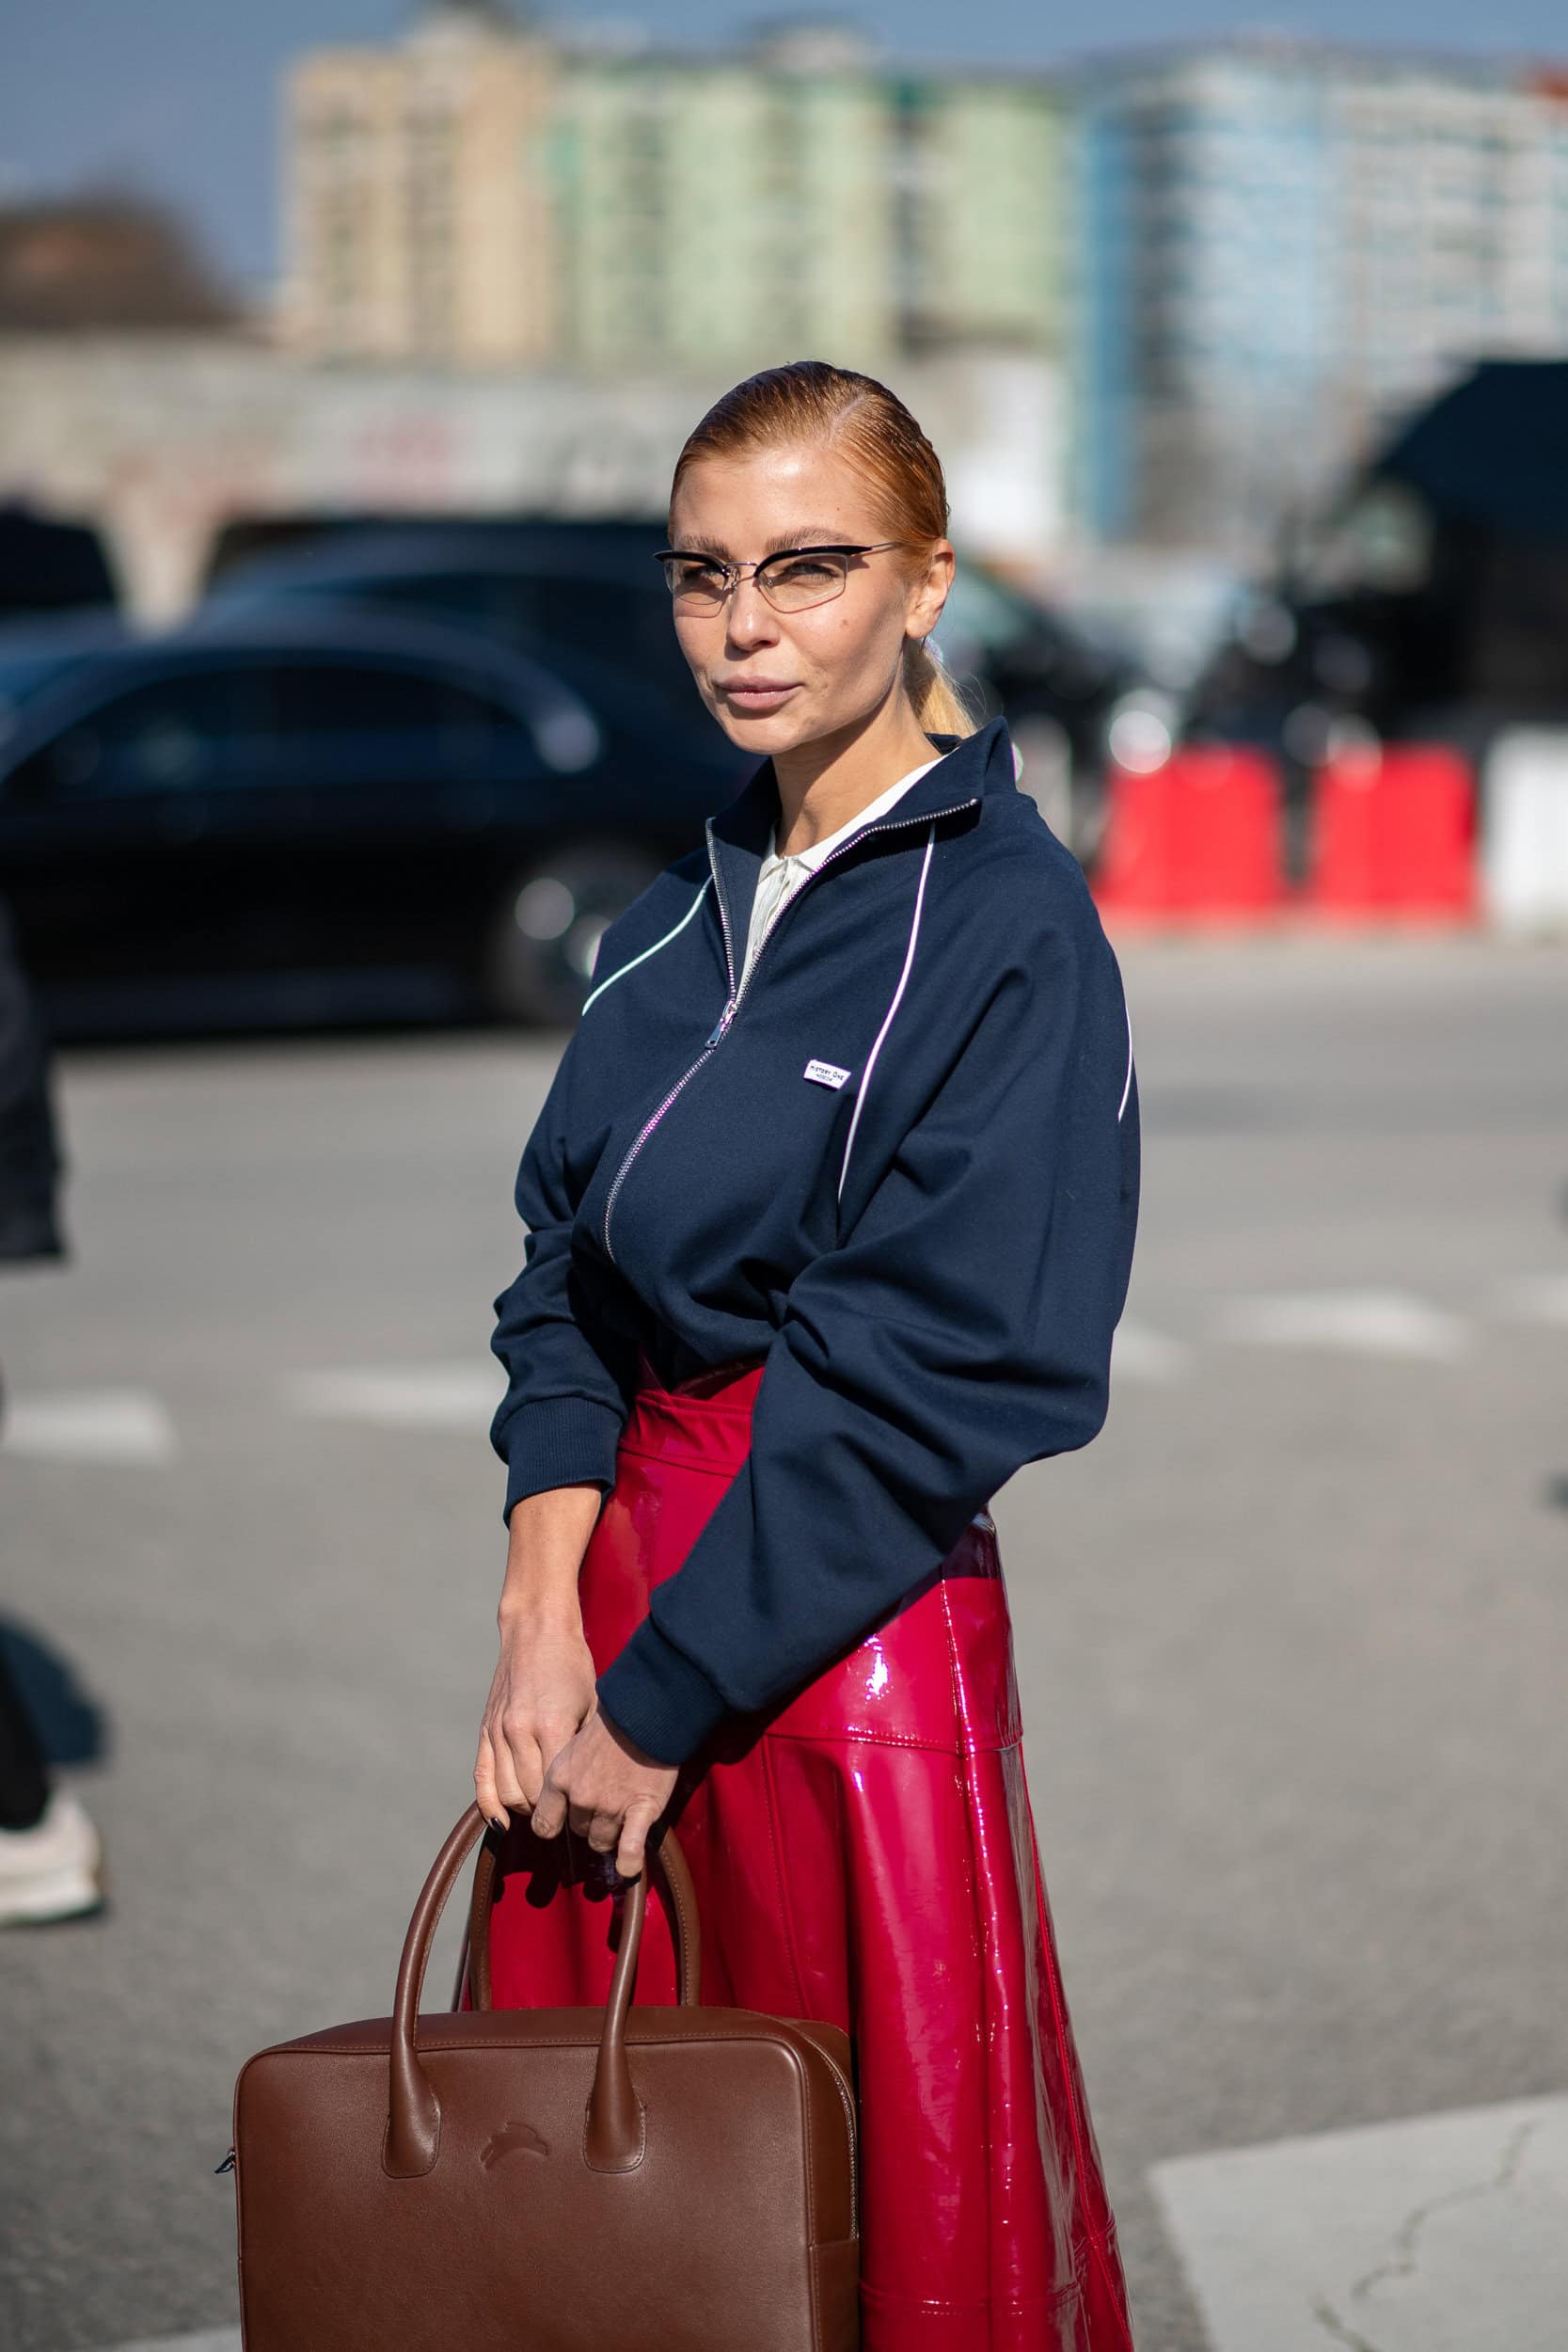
{"type": "Point", "coordinates": [825, 1073]}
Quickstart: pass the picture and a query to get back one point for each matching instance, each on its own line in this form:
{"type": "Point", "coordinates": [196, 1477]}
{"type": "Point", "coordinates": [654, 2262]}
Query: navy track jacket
{"type": "Point", "coordinates": [901, 1164]}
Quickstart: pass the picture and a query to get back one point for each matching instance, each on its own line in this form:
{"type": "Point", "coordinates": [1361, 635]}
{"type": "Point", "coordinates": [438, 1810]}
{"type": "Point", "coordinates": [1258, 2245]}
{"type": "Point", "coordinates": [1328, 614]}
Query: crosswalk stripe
{"type": "Point", "coordinates": [1437, 2234]}
{"type": "Point", "coordinates": [1138, 1353]}
{"type": "Point", "coordinates": [89, 1426]}
{"type": "Point", "coordinates": [212, 2339]}
{"type": "Point", "coordinates": [401, 1396]}
{"type": "Point", "coordinates": [1361, 1321]}
{"type": "Point", "coordinates": [125, 1425]}
{"type": "Point", "coordinates": [1535, 1298]}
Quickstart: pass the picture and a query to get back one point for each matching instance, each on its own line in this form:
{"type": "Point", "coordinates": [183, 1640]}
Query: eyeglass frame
{"type": "Point", "coordinates": [734, 572]}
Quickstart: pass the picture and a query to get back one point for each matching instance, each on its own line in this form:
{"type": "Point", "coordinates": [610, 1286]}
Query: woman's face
{"type": "Point", "coordinates": [774, 680]}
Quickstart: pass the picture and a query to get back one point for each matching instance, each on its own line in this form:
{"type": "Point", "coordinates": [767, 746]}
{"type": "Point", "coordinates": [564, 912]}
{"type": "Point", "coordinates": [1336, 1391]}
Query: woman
{"type": "Point", "coordinates": [51, 1859]}
{"type": "Point", "coordinates": [831, 1212]}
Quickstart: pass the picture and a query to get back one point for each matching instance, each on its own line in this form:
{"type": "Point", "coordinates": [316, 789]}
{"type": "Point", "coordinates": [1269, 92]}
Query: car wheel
{"type": "Point", "coordinates": [546, 928]}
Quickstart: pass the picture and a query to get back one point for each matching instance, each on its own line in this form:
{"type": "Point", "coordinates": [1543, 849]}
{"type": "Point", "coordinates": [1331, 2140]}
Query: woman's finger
{"type": "Point", "coordinates": [603, 1832]}
{"type": "Point", "coordinates": [548, 1814]}
{"type": "Point", "coordinates": [486, 1795]}
{"type": "Point", "coordinates": [632, 1851]}
{"type": "Point", "coordinates": [519, 1763]}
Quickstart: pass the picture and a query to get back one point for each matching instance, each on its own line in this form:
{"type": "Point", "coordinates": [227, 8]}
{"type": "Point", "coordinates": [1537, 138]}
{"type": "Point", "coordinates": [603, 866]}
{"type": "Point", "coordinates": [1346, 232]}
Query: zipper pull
{"type": "Point", "coordinates": [227, 2164]}
{"type": "Point", "coordinates": [723, 1023]}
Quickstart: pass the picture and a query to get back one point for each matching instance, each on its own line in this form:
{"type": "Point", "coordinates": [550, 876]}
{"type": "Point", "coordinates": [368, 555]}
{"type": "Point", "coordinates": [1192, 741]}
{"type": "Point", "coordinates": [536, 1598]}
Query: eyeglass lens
{"type": "Point", "coordinates": [789, 582]}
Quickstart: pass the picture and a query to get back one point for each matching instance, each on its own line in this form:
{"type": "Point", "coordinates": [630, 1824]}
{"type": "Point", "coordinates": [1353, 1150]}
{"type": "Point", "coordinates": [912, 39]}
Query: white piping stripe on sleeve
{"type": "Point", "coordinates": [887, 1020]}
{"type": "Point", "coordinates": [1127, 1087]}
{"type": "Point", "coordinates": [624, 968]}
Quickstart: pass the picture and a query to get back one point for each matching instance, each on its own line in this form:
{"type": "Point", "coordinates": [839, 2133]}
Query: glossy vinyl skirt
{"type": "Point", "coordinates": [863, 1851]}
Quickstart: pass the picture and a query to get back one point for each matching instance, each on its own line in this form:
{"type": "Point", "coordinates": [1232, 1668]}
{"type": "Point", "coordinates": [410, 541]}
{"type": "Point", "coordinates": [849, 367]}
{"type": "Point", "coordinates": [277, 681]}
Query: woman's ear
{"type": "Point", "coordinates": [931, 592]}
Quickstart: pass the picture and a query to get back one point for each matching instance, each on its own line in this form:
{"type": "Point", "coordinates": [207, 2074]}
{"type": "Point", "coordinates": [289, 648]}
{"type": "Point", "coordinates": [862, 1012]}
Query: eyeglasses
{"type": "Point", "coordinates": [790, 580]}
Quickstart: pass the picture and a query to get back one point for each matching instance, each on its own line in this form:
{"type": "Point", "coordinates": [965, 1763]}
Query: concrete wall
{"type": "Point", "coordinates": [162, 440]}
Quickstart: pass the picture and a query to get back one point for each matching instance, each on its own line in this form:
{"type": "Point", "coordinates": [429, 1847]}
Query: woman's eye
{"type": "Point", "coordinates": [803, 571]}
{"type": "Point", "coordinates": [697, 574]}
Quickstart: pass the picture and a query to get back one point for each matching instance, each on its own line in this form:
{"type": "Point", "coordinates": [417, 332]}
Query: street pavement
{"type": "Point", "coordinates": [1290, 1634]}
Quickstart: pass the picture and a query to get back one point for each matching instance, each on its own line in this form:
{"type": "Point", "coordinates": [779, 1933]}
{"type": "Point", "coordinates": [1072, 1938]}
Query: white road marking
{"type": "Point", "coordinates": [401, 1396]}
{"type": "Point", "coordinates": [1364, 1323]}
{"type": "Point", "coordinates": [89, 1426]}
{"type": "Point", "coordinates": [1535, 1298]}
{"type": "Point", "coordinates": [1138, 1353]}
{"type": "Point", "coordinates": [214, 2340]}
{"type": "Point", "coordinates": [1441, 2233]}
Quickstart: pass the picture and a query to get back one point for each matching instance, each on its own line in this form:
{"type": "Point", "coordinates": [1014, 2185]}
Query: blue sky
{"type": "Point", "coordinates": [178, 97]}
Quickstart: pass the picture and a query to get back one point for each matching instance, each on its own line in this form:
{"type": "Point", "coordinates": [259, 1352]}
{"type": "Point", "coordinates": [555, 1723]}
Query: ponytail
{"type": "Point", "coordinates": [939, 706]}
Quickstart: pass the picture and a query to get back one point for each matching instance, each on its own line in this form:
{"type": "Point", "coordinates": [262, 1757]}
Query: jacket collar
{"type": "Point", "coordinates": [972, 766]}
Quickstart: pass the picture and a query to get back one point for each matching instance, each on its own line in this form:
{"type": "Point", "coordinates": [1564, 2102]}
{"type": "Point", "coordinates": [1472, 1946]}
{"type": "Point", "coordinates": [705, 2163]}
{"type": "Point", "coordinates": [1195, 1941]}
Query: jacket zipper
{"type": "Point", "coordinates": [887, 825]}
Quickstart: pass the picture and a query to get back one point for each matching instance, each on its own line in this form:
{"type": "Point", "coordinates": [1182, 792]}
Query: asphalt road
{"type": "Point", "coordinates": [1292, 1633]}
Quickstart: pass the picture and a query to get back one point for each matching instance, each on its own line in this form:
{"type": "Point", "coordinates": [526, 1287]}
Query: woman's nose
{"type": "Point", "coordinates": [753, 619]}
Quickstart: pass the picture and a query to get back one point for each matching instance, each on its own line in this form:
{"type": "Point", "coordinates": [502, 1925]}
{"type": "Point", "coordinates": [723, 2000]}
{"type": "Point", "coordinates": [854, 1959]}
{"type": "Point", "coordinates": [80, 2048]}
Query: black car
{"type": "Point", "coordinates": [1425, 601]}
{"type": "Point", "coordinates": [584, 597]}
{"type": "Point", "coordinates": [304, 812]}
{"type": "Point", "coordinates": [582, 593]}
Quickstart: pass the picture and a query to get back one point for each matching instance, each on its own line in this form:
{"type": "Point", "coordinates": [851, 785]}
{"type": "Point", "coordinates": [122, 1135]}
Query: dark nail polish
{"type": "Point", "coordinates": [496, 1822]}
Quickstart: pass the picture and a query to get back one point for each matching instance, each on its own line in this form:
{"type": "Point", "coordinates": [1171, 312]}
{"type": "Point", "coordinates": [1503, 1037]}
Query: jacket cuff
{"type": "Point", "coordinates": [655, 1693]}
{"type": "Point", "coordinates": [560, 1441]}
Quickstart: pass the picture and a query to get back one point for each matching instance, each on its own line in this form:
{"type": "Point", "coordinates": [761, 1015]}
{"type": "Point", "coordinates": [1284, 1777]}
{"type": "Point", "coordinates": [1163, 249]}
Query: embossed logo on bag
{"type": "Point", "coordinates": [508, 2141]}
{"type": "Point", "coordinates": [825, 1073]}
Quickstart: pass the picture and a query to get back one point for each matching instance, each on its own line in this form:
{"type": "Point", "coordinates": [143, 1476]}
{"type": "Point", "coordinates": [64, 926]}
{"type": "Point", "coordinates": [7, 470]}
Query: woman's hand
{"type": "Point", "coordinates": [544, 1745]}
{"type": "Point", "coordinates": [541, 1688]}
{"type": "Point", "coordinates": [610, 1790]}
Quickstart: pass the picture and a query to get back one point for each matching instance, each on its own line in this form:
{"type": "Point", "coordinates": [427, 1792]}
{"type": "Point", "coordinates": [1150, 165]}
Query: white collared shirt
{"type": "Point", "coordinates": [779, 878]}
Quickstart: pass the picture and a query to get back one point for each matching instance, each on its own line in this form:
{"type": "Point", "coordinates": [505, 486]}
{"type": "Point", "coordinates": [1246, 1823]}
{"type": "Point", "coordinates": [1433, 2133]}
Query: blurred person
{"type": "Point", "coordinates": [831, 1212]}
{"type": "Point", "coordinates": [49, 1855]}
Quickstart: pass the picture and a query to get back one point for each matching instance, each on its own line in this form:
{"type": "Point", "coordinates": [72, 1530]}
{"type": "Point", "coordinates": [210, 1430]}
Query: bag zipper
{"type": "Point", "coordinates": [887, 825]}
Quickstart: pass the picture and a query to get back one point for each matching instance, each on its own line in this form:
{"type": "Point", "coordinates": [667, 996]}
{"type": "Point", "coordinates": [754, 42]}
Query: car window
{"type": "Point", "coordinates": [275, 721]}
{"type": "Point", "coordinates": [352, 698]}
{"type": "Point", "coordinates": [608, 616]}
{"type": "Point", "coordinates": [170, 734]}
{"type": "Point", "coordinates": [985, 612]}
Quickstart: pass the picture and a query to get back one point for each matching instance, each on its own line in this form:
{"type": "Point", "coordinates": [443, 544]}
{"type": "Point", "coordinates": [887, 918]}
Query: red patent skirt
{"type": "Point", "coordinates": [863, 1851]}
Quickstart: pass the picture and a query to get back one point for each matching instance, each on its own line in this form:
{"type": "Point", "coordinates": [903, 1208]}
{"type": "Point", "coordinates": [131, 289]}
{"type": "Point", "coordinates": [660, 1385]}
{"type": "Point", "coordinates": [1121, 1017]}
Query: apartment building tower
{"type": "Point", "coordinates": [483, 193]}
{"type": "Point", "coordinates": [1279, 247]}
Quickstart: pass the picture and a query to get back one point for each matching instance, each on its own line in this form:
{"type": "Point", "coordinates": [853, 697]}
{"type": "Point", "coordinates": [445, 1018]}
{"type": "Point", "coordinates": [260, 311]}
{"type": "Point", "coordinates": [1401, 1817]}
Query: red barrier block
{"type": "Point", "coordinates": [1393, 837]}
{"type": "Point", "coordinates": [1198, 839]}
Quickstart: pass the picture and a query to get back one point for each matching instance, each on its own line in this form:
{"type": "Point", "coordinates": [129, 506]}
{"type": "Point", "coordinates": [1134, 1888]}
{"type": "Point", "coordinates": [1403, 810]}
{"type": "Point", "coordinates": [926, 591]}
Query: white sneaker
{"type": "Point", "coordinates": [53, 1870]}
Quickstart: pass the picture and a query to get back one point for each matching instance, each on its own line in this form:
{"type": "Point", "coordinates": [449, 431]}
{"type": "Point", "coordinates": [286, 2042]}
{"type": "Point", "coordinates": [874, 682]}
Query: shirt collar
{"type": "Point", "coordinates": [812, 857]}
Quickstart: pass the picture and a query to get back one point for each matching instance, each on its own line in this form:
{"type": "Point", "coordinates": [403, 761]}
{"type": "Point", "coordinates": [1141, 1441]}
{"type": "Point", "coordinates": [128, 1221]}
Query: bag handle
{"type": "Point", "coordinates": [613, 2130]}
{"type": "Point", "coordinates": [474, 1963]}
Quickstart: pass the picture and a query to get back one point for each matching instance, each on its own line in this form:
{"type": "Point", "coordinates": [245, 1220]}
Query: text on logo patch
{"type": "Point", "coordinates": [826, 1073]}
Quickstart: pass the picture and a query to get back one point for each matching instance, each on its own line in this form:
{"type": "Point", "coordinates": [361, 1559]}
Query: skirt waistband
{"type": "Point", "coordinates": [730, 1385]}
{"type": "Point", "coordinates": [704, 1423]}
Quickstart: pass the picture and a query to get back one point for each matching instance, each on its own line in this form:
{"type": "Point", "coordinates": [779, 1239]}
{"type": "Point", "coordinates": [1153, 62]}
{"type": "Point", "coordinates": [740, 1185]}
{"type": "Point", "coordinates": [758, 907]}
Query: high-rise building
{"type": "Point", "coordinates": [418, 219]}
{"type": "Point", "coordinates": [716, 211]}
{"type": "Point", "coordinates": [483, 193]}
{"type": "Point", "coordinates": [981, 179]}
{"type": "Point", "coordinates": [1279, 247]}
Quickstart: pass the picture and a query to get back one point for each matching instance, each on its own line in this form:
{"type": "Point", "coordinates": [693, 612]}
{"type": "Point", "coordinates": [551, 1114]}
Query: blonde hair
{"type": "Point", "coordinates": [809, 400]}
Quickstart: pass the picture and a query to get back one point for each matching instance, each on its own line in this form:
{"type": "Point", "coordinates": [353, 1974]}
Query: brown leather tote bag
{"type": "Point", "coordinates": [625, 2178]}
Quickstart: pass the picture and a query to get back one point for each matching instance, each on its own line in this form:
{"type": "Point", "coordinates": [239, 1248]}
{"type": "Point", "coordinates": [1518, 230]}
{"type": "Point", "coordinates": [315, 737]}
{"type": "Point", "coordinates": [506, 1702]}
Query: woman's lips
{"type": "Point", "coordinates": [763, 696]}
